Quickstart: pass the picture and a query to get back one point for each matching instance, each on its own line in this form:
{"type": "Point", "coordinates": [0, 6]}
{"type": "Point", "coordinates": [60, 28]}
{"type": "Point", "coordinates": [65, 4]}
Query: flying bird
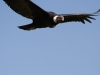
{"type": "Point", "coordinates": [42, 18]}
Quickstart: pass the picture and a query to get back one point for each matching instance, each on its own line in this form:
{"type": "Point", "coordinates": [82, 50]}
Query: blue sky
{"type": "Point", "coordinates": [68, 49]}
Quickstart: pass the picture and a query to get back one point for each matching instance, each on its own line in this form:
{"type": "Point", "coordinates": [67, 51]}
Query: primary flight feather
{"type": "Point", "coordinates": [44, 18]}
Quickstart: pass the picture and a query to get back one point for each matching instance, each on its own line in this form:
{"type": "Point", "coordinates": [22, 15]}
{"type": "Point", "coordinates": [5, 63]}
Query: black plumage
{"type": "Point", "coordinates": [44, 18]}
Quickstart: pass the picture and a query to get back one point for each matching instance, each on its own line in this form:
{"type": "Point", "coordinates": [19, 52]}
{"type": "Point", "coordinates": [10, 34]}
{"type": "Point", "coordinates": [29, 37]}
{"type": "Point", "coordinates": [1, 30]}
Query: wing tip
{"type": "Point", "coordinates": [96, 12]}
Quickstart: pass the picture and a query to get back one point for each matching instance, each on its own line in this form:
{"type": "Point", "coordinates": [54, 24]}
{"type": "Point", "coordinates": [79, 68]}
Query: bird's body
{"type": "Point", "coordinates": [42, 18]}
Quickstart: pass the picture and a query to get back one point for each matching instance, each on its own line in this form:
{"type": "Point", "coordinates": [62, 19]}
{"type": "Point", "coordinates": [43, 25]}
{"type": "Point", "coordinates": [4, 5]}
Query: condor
{"type": "Point", "coordinates": [42, 18]}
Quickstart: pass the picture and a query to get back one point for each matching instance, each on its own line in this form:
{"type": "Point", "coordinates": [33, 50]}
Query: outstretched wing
{"type": "Point", "coordinates": [25, 8]}
{"type": "Point", "coordinates": [79, 17]}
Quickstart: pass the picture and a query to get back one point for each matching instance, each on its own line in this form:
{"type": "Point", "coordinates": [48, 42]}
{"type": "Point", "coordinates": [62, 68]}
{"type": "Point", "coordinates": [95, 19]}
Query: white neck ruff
{"type": "Point", "coordinates": [55, 18]}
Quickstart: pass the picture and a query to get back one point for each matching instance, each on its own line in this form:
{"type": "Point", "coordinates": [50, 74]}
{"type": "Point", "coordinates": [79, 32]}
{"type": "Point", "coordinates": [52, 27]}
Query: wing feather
{"type": "Point", "coordinates": [25, 8]}
{"type": "Point", "coordinates": [79, 17]}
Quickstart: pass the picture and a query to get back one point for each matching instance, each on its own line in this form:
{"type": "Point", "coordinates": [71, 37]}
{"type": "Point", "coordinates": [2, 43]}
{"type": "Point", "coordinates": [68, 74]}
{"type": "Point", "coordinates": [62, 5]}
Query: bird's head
{"type": "Point", "coordinates": [58, 19]}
